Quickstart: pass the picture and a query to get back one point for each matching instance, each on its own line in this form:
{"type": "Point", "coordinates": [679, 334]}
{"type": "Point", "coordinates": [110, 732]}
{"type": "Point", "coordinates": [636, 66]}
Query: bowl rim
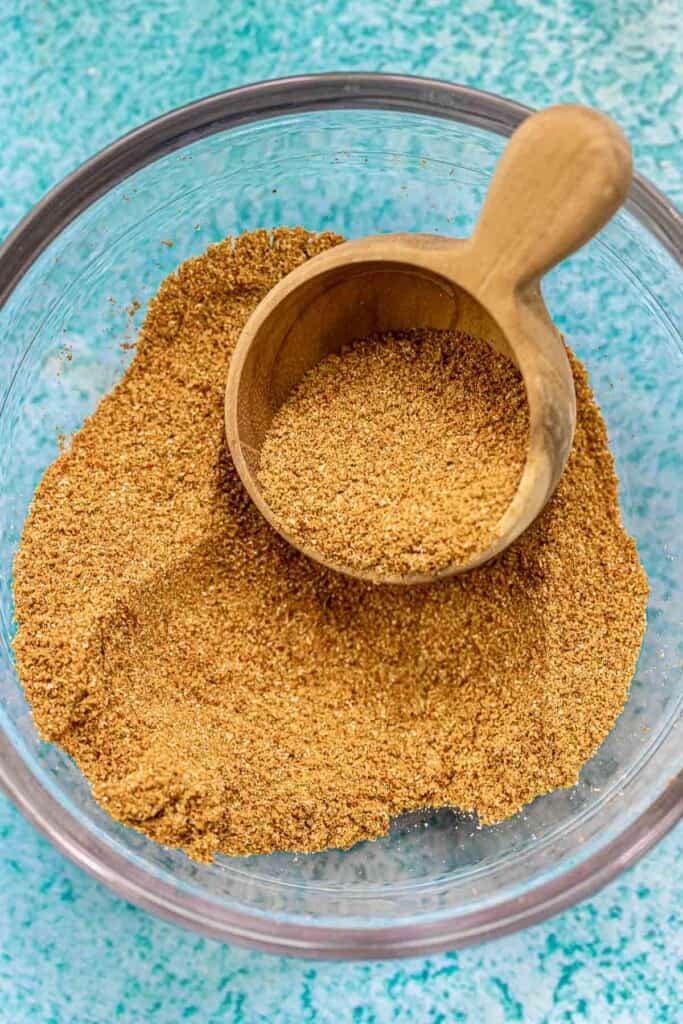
{"type": "Point", "coordinates": [48, 218]}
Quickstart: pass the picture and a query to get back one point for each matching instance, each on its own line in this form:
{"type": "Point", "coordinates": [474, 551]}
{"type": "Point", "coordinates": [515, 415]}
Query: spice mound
{"type": "Point", "coordinates": [224, 693]}
{"type": "Point", "coordinates": [399, 455]}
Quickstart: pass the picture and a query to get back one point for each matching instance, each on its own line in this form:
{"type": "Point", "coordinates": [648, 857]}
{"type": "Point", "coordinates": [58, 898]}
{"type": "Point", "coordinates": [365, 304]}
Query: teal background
{"type": "Point", "coordinates": [76, 74]}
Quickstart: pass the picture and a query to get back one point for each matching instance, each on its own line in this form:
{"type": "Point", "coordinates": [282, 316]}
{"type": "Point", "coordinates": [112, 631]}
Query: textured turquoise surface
{"type": "Point", "coordinates": [73, 76]}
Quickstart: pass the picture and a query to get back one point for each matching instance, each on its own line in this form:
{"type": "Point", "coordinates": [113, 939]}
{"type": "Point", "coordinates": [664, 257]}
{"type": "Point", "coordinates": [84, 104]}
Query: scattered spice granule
{"type": "Point", "coordinates": [400, 454]}
{"type": "Point", "coordinates": [222, 692]}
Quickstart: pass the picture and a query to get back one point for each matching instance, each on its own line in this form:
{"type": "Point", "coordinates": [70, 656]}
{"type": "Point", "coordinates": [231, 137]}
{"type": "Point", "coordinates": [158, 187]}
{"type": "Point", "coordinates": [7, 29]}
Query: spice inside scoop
{"type": "Point", "coordinates": [401, 454]}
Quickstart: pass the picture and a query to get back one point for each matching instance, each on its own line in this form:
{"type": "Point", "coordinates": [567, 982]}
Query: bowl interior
{"type": "Point", "coordinates": [65, 337]}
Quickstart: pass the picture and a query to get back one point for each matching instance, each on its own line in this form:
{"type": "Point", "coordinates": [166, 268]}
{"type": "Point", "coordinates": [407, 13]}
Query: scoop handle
{"type": "Point", "coordinates": [564, 173]}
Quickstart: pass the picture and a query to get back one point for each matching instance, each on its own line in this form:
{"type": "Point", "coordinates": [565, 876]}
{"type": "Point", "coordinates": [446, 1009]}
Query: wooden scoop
{"type": "Point", "coordinates": [564, 173]}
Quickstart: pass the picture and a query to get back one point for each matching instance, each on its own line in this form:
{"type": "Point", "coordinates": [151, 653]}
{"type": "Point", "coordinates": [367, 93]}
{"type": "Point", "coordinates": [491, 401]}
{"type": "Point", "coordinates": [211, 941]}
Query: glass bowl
{"type": "Point", "coordinates": [358, 154]}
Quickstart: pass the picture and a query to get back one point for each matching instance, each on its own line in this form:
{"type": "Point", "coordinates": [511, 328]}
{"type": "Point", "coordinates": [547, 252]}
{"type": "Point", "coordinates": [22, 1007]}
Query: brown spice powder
{"type": "Point", "coordinates": [222, 692]}
{"type": "Point", "coordinates": [401, 454]}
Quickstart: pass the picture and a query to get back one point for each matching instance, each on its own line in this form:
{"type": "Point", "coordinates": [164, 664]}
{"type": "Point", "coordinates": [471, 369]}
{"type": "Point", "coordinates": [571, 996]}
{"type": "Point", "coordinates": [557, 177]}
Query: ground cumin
{"type": "Point", "coordinates": [223, 693]}
{"type": "Point", "coordinates": [401, 454]}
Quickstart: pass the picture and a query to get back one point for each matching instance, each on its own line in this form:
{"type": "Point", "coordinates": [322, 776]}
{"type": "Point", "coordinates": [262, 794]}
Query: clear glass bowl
{"type": "Point", "coordinates": [358, 154]}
